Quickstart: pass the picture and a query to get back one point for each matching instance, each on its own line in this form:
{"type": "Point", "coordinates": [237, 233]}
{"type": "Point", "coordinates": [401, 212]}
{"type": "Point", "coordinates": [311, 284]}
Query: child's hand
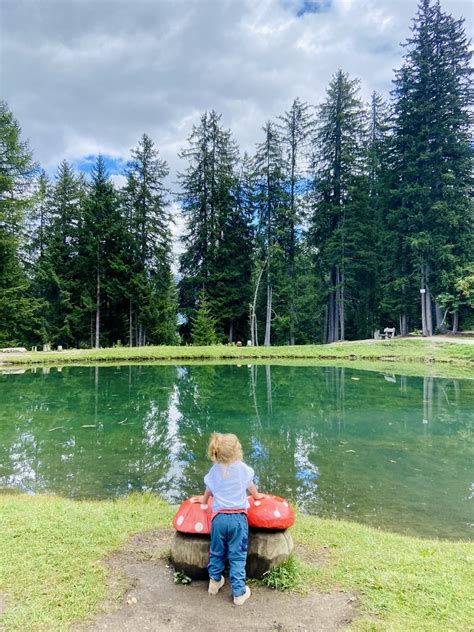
{"type": "Point", "coordinates": [197, 499]}
{"type": "Point", "coordinates": [259, 496]}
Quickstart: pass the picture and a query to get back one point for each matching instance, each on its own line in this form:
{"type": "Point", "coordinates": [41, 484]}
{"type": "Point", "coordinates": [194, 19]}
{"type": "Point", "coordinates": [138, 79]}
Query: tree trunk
{"type": "Point", "coordinates": [97, 312]}
{"type": "Point", "coordinates": [423, 313]}
{"type": "Point", "coordinates": [426, 309]}
{"type": "Point", "coordinates": [403, 325]}
{"type": "Point", "coordinates": [438, 316]}
{"type": "Point", "coordinates": [341, 304]}
{"type": "Point", "coordinates": [331, 317]}
{"type": "Point", "coordinates": [325, 326]}
{"type": "Point", "coordinates": [429, 312]}
{"type": "Point", "coordinates": [455, 322]}
{"type": "Point", "coordinates": [253, 316]}
{"type": "Point", "coordinates": [231, 331]}
{"type": "Point", "coordinates": [130, 322]}
{"type": "Point", "coordinates": [268, 320]}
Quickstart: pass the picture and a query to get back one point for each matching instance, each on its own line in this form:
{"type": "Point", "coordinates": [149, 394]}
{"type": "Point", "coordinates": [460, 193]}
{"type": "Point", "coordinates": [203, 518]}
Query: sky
{"type": "Point", "coordinates": [85, 77]}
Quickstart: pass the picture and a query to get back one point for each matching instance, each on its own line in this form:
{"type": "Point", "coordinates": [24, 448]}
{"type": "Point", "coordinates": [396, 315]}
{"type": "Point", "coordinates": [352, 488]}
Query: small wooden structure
{"type": "Point", "coordinates": [388, 332]}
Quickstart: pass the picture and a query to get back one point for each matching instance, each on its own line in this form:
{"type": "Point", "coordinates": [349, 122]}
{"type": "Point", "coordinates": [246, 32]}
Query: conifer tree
{"type": "Point", "coordinates": [341, 227]}
{"type": "Point", "coordinates": [18, 310]}
{"type": "Point", "coordinates": [101, 250]}
{"type": "Point", "coordinates": [431, 211]}
{"type": "Point", "coordinates": [208, 190]}
{"type": "Point", "coordinates": [295, 126]}
{"type": "Point", "coordinates": [273, 229]}
{"type": "Point", "coordinates": [233, 263]}
{"type": "Point", "coordinates": [203, 332]}
{"type": "Point", "coordinates": [151, 291]}
{"type": "Point", "coordinates": [54, 277]}
{"type": "Point", "coordinates": [379, 310]}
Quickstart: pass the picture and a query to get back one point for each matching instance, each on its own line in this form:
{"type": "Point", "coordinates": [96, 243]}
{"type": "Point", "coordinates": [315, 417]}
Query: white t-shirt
{"type": "Point", "coordinates": [228, 485]}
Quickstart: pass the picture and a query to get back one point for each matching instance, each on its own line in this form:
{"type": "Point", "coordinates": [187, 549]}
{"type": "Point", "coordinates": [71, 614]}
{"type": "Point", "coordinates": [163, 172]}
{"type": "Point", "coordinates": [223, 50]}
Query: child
{"type": "Point", "coordinates": [228, 481]}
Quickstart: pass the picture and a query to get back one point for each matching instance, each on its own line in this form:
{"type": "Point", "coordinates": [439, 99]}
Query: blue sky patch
{"type": "Point", "coordinates": [313, 6]}
{"type": "Point", "coordinates": [113, 165]}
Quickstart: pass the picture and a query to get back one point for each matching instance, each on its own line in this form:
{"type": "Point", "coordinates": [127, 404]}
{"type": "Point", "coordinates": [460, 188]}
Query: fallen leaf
{"type": "Point", "coordinates": [350, 451]}
{"type": "Point", "coordinates": [57, 428]}
{"type": "Point", "coordinates": [88, 426]}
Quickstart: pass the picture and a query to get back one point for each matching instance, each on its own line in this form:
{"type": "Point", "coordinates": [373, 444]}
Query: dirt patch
{"type": "Point", "coordinates": [152, 602]}
{"type": "Point", "coordinates": [3, 602]}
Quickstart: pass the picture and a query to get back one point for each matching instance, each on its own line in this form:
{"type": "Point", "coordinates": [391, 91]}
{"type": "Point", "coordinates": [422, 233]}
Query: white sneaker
{"type": "Point", "coordinates": [214, 586]}
{"type": "Point", "coordinates": [239, 601]}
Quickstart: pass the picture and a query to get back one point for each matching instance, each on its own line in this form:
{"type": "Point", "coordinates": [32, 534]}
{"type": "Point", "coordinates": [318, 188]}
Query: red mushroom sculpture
{"type": "Point", "coordinates": [271, 512]}
{"type": "Point", "coordinates": [194, 518]}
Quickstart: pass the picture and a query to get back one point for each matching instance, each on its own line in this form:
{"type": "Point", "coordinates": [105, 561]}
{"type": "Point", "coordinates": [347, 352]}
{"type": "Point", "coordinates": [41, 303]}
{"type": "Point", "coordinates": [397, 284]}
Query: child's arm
{"type": "Point", "coordinates": [254, 492]}
{"type": "Point", "coordinates": [202, 499]}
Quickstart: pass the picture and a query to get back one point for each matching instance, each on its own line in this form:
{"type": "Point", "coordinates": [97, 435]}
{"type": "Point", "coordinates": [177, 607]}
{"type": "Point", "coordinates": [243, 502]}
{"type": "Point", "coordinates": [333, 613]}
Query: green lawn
{"type": "Point", "coordinates": [432, 350]}
{"type": "Point", "coordinates": [50, 550]}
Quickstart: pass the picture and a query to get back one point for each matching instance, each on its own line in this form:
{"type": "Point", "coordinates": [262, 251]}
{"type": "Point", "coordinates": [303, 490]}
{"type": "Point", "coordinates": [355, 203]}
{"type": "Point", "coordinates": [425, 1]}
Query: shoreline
{"type": "Point", "coordinates": [435, 357]}
{"type": "Point", "coordinates": [433, 351]}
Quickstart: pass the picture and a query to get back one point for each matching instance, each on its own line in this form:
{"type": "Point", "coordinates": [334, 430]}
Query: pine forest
{"type": "Point", "coordinates": [348, 217]}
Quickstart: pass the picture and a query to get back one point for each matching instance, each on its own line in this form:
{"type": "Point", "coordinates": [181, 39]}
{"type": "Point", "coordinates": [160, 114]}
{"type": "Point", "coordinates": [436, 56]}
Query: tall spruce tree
{"type": "Point", "coordinates": [151, 289]}
{"type": "Point", "coordinates": [208, 199]}
{"type": "Point", "coordinates": [232, 275]}
{"type": "Point", "coordinates": [100, 262]}
{"type": "Point", "coordinates": [431, 211]}
{"type": "Point", "coordinates": [378, 170]}
{"type": "Point", "coordinates": [341, 227]}
{"type": "Point", "coordinates": [273, 229]}
{"type": "Point", "coordinates": [54, 274]}
{"type": "Point", "coordinates": [18, 310]}
{"type": "Point", "coordinates": [295, 126]}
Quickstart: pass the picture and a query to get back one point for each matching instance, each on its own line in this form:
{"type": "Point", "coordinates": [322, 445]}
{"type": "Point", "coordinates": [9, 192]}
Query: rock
{"type": "Point", "coordinates": [13, 350]}
{"type": "Point", "coordinates": [267, 549]}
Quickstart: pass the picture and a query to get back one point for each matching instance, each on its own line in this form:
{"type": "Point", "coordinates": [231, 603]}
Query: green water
{"type": "Point", "coordinates": [387, 450]}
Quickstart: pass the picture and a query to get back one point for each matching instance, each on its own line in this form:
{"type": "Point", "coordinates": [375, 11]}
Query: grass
{"type": "Point", "coordinates": [50, 552]}
{"type": "Point", "coordinates": [286, 577]}
{"type": "Point", "coordinates": [392, 351]}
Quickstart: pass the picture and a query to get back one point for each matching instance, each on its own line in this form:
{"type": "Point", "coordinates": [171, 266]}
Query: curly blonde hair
{"type": "Point", "coordinates": [224, 448]}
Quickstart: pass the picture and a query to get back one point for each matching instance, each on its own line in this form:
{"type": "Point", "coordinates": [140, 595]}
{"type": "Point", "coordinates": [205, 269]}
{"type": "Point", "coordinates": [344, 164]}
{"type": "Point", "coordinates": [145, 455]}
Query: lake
{"type": "Point", "coordinates": [390, 451]}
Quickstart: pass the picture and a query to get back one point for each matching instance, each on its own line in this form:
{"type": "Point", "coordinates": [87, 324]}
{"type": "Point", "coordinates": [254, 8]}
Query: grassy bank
{"type": "Point", "coordinates": [50, 550]}
{"type": "Point", "coordinates": [437, 351]}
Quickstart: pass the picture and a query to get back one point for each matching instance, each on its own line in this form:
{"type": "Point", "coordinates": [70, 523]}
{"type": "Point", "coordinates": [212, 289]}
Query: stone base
{"type": "Point", "coordinates": [190, 554]}
{"type": "Point", "coordinates": [267, 549]}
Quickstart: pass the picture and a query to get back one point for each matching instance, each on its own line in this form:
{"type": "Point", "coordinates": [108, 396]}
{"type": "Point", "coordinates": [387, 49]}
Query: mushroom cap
{"type": "Point", "coordinates": [193, 518]}
{"type": "Point", "coordinates": [270, 512]}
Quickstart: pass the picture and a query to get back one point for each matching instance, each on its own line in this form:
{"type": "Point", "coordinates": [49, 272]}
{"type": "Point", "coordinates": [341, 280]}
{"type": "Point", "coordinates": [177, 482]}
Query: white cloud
{"type": "Point", "coordinates": [119, 180]}
{"type": "Point", "coordinates": [90, 76]}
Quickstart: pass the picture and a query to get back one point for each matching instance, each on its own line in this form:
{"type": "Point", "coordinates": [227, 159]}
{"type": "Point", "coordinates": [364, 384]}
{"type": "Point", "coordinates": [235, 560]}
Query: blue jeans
{"type": "Point", "coordinates": [229, 540]}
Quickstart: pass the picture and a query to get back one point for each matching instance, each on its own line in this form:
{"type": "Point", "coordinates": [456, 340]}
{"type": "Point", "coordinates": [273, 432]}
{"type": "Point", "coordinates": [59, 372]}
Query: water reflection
{"type": "Point", "coordinates": [384, 449]}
